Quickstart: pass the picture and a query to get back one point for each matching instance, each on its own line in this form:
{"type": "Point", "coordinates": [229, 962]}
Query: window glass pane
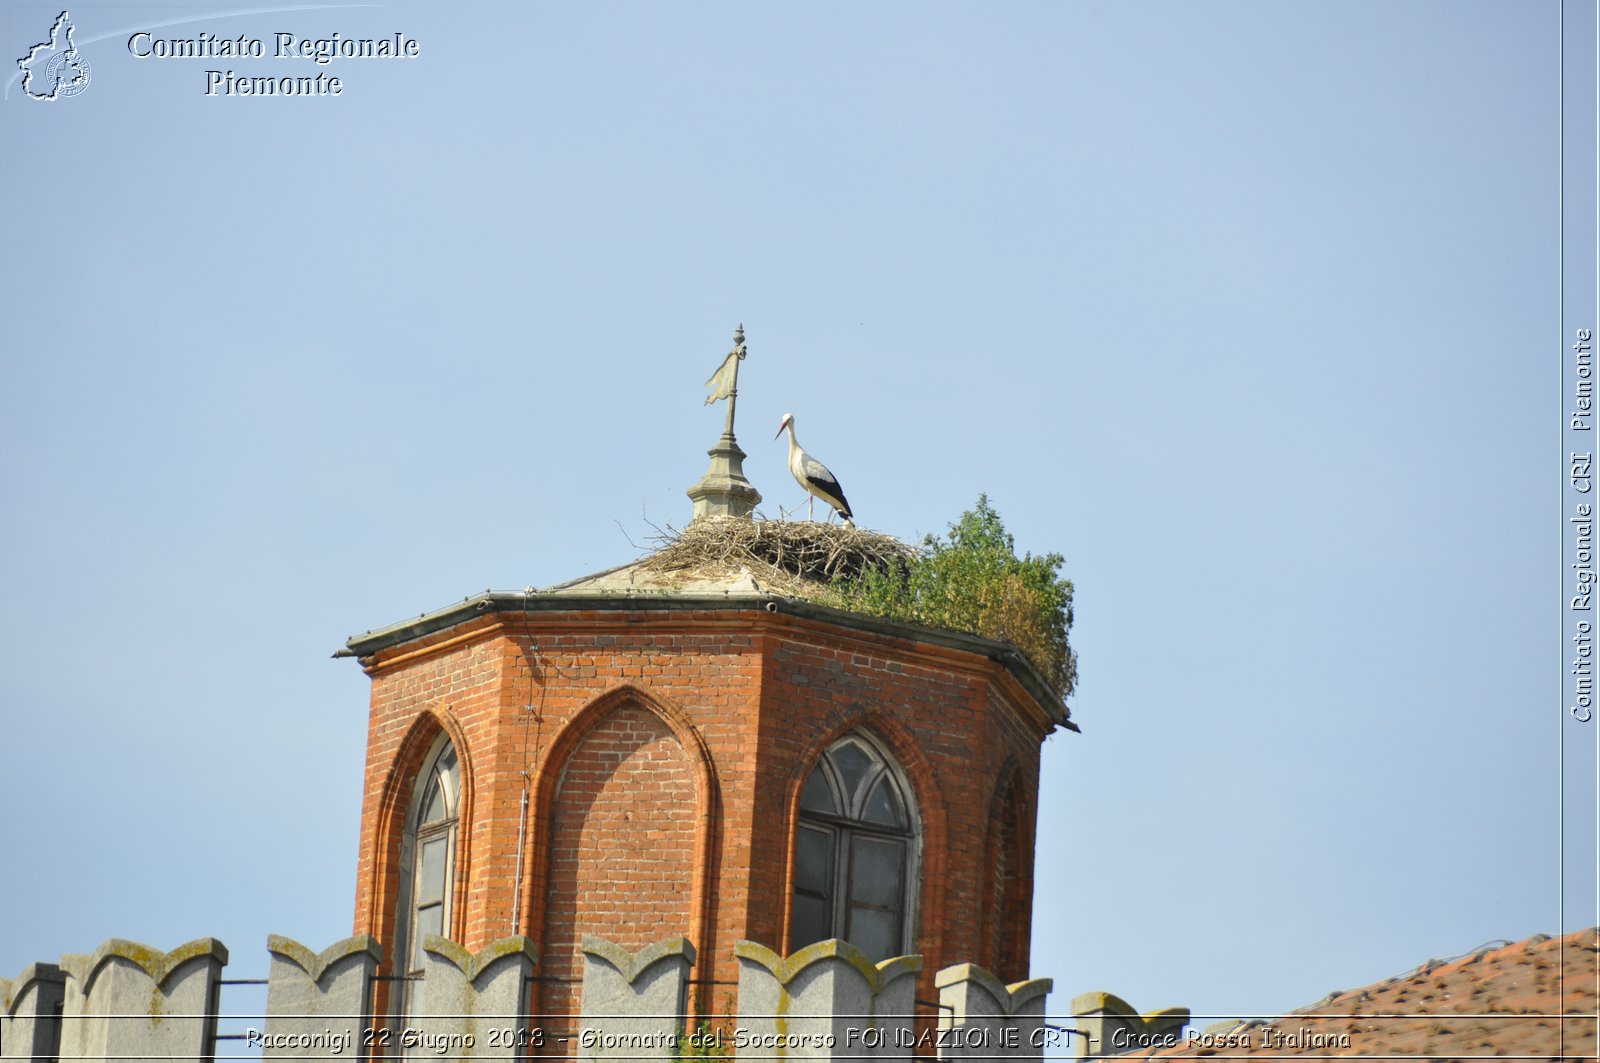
{"type": "Point", "coordinates": [818, 795]}
{"type": "Point", "coordinates": [813, 922]}
{"type": "Point", "coordinates": [433, 807]}
{"type": "Point", "coordinates": [855, 839]}
{"type": "Point", "coordinates": [430, 920]}
{"type": "Point", "coordinates": [430, 879]}
{"type": "Point", "coordinates": [884, 805]}
{"type": "Point", "coordinates": [449, 773]}
{"type": "Point", "coordinates": [876, 865]}
{"type": "Point", "coordinates": [875, 932]}
{"type": "Point", "coordinates": [813, 862]}
{"type": "Point", "coordinates": [853, 764]}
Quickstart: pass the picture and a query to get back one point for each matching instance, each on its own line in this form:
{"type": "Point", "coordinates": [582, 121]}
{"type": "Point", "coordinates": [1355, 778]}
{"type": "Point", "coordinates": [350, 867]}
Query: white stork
{"type": "Point", "coordinates": [813, 476]}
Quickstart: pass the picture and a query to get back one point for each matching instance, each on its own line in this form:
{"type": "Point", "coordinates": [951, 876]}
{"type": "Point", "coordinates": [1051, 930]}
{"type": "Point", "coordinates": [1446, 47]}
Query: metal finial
{"type": "Point", "coordinates": [723, 491]}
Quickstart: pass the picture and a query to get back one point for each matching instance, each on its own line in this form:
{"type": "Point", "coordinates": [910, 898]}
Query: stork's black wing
{"type": "Point", "coordinates": [824, 486]}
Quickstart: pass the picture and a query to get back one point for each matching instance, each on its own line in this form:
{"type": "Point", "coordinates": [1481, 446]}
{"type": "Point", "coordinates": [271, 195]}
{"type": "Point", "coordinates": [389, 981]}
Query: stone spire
{"type": "Point", "coordinates": [723, 491]}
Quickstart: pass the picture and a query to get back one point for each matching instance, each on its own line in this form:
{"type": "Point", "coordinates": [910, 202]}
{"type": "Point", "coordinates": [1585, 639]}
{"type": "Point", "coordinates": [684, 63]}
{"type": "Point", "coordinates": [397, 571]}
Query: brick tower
{"type": "Point", "coordinates": [644, 756]}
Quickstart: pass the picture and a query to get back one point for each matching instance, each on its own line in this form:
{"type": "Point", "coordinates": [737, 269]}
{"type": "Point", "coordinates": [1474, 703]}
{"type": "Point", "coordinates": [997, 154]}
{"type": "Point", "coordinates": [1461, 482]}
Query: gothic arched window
{"type": "Point", "coordinates": [856, 852]}
{"type": "Point", "coordinates": [428, 857]}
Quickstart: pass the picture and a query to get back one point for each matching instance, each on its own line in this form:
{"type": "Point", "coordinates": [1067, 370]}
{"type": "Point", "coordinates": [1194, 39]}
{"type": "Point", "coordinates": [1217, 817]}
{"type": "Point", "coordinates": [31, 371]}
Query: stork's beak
{"type": "Point", "coordinates": [778, 433]}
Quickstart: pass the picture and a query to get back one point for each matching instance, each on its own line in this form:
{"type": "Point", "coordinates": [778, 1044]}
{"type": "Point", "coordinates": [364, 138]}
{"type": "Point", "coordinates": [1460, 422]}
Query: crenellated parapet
{"type": "Point", "coordinates": [827, 1001]}
{"type": "Point", "coordinates": [469, 1005]}
{"type": "Point", "coordinates": [130, 1001]}
{"type": "Point", "coordinates": [30, 1012]}
{"type": "Point", "coordinates": [1111, 1026]}
{"type": "Point", "coordinates": [321, 997]}
{"type": "Point", "coordinates": [982, 1018]}
{"type": "Point", "coordinates": [634, 1002]}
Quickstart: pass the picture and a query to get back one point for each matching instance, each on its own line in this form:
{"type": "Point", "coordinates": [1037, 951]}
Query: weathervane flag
{"type": "Point", "coordinates": [724, 383]}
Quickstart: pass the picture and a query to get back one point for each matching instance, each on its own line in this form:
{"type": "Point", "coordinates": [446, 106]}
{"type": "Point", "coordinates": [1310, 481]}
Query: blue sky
{"type": "Point", "coordinates": [1249, 310]}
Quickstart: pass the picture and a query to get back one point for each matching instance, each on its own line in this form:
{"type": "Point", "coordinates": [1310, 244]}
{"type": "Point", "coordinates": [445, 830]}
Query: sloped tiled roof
{"type": "Point", "coordinates": [1535, 999]}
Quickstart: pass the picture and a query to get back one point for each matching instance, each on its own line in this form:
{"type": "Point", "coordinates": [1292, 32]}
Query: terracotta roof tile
{"type": "Point", "coordinates": [1534, 999]}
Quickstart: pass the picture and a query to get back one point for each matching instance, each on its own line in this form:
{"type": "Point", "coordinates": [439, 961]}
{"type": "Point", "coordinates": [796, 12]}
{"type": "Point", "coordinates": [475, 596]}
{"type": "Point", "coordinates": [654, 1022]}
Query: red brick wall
{"type": "Point", "coordinates": [739, 705]}
{"type": "Point", "coordinates": [935, 712]}
{"type": "Point", "coordinates": [1005, 918]}
{"type": "Point", "coordinates": [457, 692]}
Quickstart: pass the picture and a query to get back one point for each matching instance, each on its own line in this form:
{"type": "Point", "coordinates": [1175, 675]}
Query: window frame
{"type": "Point", "coordinates": [416, 836]}
{"type": "Point", "coordinates": [844, 826]}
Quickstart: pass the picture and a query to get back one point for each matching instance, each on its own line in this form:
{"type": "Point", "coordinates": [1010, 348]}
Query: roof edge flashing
{"type": "Point", "coordinates": [1005, 653]}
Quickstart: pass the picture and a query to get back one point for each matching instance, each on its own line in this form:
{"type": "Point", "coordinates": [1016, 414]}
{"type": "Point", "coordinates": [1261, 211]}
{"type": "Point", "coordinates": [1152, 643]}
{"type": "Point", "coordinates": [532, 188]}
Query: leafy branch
{"type": "Point", "coordinates": [972, 580]}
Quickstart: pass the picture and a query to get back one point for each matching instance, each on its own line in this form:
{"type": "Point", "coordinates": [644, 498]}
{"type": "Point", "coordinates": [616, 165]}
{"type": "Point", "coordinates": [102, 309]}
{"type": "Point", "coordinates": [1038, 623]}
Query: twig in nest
{"type": "Point", "coordinates": [626, 536]}
{"type": "Point", "coordinates": [799, 557]}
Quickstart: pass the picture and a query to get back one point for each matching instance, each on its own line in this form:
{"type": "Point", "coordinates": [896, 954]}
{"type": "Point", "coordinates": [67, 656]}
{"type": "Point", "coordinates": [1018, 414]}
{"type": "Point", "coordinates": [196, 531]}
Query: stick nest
{"type": "Point", "coordinates": [802, 558]}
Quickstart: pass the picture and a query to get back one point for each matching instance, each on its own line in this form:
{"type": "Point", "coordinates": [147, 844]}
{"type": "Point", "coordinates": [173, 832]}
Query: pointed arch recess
{"type": "Point", "coordinates": [547, 782]}
{"type": "Point", "coordinates": [398, 786]}
{"type": "Point", "coordinates": [1006, 870]}
{"type": "Point", "coordinates": [929, 905]}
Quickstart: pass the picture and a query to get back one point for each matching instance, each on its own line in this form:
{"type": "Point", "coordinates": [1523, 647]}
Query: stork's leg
{"type": "Point", "coordinates": [811, 507]}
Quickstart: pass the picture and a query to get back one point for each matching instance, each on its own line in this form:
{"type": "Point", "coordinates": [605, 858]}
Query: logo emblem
{"type": "Point", "coordinates": [55, 68]}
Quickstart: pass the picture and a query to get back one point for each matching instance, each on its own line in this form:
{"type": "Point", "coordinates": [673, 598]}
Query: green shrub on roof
{"type": "Point", "coordinates": [972, 580]}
